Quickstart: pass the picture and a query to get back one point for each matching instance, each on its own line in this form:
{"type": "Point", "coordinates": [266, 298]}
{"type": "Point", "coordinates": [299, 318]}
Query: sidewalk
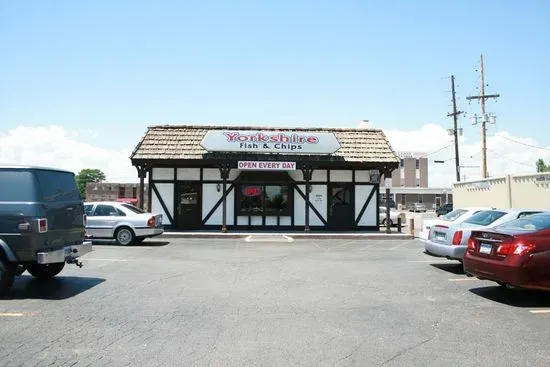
{"type": "Point", "coordinates": [382, 235]}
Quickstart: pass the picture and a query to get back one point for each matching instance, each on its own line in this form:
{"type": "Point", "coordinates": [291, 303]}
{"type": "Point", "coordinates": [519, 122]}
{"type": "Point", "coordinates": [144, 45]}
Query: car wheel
{"type": "Point", "coordinates": [7, 276]}
{"type": "Point", "coordinates": [45, 271]}
{"type": "Point", "coordinates": [124, 236]}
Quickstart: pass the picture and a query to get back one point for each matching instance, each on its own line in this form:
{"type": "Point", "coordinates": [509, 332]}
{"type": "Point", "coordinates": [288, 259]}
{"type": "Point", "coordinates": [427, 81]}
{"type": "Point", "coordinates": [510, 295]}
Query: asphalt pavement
{"type": "Point", "coordinates": [270, 302]}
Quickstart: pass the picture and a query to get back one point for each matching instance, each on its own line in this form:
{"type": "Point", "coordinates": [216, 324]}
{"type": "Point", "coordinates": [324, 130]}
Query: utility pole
{"type": "Point", "coordinates": [482, 97]}
{"type": "Point", "coordinates": [455, 114]}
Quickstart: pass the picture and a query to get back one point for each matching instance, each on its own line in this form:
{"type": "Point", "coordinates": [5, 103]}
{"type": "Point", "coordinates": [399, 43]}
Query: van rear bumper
{"type": "Point", "coordinates": [64, 254]}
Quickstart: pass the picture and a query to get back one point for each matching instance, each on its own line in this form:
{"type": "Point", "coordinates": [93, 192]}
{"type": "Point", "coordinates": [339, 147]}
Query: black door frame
{"type": "Point", "coordinates": [330, 222]}
{"type": "Point", "coordinates": [198, 223]}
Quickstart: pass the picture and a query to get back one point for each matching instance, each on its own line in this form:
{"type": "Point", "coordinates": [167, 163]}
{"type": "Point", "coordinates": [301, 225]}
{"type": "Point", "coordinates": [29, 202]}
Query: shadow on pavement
{"type": "Point", "coordinates": [58, 288]}
{"type": "Point", "coordinates": [145, 243]}
{"type": "Point", "coordinates": [455, 268]}
{"type": "Point", "coordinates": [514, 297]}
{"type": "Point", "coordinates": [152, 243]}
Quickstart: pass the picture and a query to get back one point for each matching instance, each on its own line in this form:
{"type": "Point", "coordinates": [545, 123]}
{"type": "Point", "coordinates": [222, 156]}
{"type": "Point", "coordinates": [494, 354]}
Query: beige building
{"type": "Point", "coordinates": [110, 191]}
{"type": "Point", "coordinates": [510, 191]}
{"type": "Point", "coordinates": [409, 184]}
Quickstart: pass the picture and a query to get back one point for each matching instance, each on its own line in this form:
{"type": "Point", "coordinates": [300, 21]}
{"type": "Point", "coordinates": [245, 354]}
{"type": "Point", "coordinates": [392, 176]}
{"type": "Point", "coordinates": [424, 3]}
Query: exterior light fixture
{"type": "Point", "coordinates": [218, 187]}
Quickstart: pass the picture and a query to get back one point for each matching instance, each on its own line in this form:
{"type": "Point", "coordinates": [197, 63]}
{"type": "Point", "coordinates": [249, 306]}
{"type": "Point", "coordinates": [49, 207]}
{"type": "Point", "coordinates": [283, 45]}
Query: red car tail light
{"type": "Point", "coordinates": [505, 249]}
{"type": "Point", "coordinates": [151, 222]}
{"type": "Point", "coordinates": [471, 245]}
{"type": "Point", "coordinates": [516, 248]}
{"type": "Point", "coordinates": [523, 248]}
{"type": "Point", "coordinates": [42, 225]}
{"type": "Point", "coordinates": [457, 238]}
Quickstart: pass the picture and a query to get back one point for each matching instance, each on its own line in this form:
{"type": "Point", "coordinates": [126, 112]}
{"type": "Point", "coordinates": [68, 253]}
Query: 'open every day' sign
{"type": "Point", "coordinates": [266, 166]}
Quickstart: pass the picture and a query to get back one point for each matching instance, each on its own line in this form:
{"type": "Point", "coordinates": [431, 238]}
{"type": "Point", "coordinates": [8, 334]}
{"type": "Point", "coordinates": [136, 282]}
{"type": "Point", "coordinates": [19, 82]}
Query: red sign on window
{"type": "Point", "coordinates": [252, 191]}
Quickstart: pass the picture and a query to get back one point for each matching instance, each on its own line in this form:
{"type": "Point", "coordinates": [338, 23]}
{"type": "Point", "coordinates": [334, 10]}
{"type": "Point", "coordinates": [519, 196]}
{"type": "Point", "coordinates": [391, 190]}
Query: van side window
{"type": "Point", "coordinates": [57, 186]}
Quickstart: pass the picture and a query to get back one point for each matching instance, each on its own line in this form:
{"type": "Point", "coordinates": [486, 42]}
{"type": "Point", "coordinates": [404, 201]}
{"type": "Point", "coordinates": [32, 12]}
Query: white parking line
{"type": "Point", "coordinates": [269, 239]}
{"type": "Point", "coordinates": [462, 279]}
{"type": "Point", "coordinates": [398, 246]}
{"type": "Point", "coordinates": [11, 314]}
{"type": "Point", "coordinates": [540, 311]}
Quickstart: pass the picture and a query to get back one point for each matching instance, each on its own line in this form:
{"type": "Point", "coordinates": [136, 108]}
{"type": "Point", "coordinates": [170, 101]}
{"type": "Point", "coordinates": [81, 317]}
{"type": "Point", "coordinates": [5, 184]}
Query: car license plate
{"type": "Point", "coordinates": [439, 236]}
{"type": "Point", "coordinates": [485, 248]}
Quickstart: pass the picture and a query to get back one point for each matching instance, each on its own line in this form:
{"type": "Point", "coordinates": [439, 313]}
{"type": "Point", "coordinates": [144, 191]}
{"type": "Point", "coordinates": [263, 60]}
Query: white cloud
{"type": "Point", "coordinates": [504, 156]}
{"type": "Point", "coordinates": [54, 146]}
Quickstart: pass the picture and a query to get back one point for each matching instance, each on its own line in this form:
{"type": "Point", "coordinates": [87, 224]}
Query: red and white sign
{"type": "Point", "coordinates": [294, 142]}
{"type": "Point", "coordinates": [266, 166]}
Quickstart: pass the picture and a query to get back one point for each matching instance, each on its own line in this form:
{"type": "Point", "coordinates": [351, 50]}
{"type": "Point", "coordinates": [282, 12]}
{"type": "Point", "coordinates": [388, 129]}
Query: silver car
{"type": "Point", "coordinates": [451, 240]}
{"type": "Point", "coordinates": [125, 223]}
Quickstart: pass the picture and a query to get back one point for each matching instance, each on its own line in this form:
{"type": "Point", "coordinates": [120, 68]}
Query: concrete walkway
{"type": "Point", "coordinates": [294, 235]}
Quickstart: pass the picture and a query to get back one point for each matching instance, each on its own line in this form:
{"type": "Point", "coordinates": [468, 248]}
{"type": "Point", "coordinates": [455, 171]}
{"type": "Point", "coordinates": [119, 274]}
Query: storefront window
{"type": "Point", "coordinates": [264, 199]}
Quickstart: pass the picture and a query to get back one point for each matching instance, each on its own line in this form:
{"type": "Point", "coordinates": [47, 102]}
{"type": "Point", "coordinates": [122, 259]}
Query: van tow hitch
{"type": "Point", "coordinates": [75, 261]}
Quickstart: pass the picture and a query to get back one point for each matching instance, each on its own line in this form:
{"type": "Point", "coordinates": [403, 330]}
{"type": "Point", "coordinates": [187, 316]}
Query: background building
{"type": "Point", "coordinates": [409, 184]}
{"type": "Point", "coordinates": [110, 191]}
{"type": "Point", "coordinates": [412, 171]}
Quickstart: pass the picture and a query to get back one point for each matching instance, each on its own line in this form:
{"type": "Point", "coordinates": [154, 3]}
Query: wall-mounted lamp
{"type": "Point", "coordinates": [309, 188]}
{"type": "Point", "coordinates": [218, 187]}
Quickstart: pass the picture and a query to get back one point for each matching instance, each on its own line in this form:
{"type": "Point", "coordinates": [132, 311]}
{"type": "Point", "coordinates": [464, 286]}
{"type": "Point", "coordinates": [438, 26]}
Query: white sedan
{"type": "Point", "coordinates": [455, 217]}
{"type": "Point", "coordinates": [125, 223]}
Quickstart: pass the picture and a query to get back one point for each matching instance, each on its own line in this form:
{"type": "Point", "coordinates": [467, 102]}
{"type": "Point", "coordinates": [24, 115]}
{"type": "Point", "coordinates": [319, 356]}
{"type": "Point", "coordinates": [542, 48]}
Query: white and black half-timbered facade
{"type": "Point", "coordinates": [247, 178]}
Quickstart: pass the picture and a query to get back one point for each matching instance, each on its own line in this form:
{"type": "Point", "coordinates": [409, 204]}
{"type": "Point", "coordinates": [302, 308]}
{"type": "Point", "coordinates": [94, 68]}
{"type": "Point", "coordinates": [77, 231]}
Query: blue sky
{"type": "Point", "coordinates": [119, 66]}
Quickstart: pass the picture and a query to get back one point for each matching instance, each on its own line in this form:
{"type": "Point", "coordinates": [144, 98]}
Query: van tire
{"type": "Point", "coordinates": [384, 222]}
{"type": "Point", "coordinates": [7, 275]}
{"type": "Point", "coordinates": [124, 236]}
{"type": "Point", "coordinates": [45, 271]}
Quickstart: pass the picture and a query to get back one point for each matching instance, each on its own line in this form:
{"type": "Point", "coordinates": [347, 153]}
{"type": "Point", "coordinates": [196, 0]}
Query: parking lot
{"type": "Point", "coordinates": [266, 302]}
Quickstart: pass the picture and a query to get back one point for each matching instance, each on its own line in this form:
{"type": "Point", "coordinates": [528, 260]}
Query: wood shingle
{"type": "Point", "coordinates": [182, 142]}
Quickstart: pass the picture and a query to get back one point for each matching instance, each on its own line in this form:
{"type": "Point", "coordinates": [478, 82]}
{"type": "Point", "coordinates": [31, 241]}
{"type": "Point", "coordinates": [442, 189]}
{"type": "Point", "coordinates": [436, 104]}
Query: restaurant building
{"type": "Point", "coordinates": [246, 178]}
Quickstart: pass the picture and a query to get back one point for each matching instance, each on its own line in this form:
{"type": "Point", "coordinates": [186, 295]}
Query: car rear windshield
{"type": "Point", "coordinates": [530, 223]}
{"type": "Point", "coordinates": [454, 214]}
{"type": "Point", "coordinates": [135, 209]}
{"type": "Point", "coordinates": [485, 217]}
{"type": "Point", "coordinates": [16, 185]}
{"type": "Point", "coordinates": [57, 186]}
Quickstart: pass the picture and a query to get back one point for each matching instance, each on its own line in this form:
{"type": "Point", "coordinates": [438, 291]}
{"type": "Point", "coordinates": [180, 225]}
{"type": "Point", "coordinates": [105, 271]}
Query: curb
{"type": "Point", "coordinates": [349, 236]}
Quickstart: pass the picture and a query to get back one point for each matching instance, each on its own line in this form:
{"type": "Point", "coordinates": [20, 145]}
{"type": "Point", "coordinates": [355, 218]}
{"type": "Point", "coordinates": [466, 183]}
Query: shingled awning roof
{"type": "Point", "coordinates": [173, 142]}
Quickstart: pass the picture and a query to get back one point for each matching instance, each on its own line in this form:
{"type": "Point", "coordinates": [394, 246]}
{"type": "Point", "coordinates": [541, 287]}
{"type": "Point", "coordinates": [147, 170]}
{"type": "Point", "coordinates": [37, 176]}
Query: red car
{"type": "Point", "coordinates": [514, 254]}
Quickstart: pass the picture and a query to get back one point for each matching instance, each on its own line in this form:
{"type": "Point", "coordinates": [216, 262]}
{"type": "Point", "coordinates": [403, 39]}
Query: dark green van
{"type": "Point", "coordinates": [42, 222]}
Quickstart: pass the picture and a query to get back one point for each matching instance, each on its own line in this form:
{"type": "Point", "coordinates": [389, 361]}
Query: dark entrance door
{"type": "Point", "coordinates": [340, 206]}
{"type": "Point", "coordinates": [188, 205]}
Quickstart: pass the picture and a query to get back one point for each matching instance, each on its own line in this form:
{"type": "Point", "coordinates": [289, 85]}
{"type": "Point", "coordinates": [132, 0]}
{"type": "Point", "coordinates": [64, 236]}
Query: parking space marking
{"type": "Point", "coordinates": [11, 314]}
{"type": "Point", "coordinates": [462, 279]}
{"type": "Point", "coordinates": [540, 311]}
{"type": "Point", "coordinates": [398, 246]}
{"type": "Point", "coordinates": [282, 238]}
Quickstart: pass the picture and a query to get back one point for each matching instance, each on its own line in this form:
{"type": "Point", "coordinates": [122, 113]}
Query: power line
{"type": "Point", "coordinates": [521, 143]}
{"type": "Point", "coordinates": [510, 159]}
{"type": "Point", "coordinates": [436, 151]}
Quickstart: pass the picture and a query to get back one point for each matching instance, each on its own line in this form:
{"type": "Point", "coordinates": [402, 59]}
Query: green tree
{"type": "Point", "coordinates": [542, 167]}
{"type": "Point", "coordinates": [88, 175]}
